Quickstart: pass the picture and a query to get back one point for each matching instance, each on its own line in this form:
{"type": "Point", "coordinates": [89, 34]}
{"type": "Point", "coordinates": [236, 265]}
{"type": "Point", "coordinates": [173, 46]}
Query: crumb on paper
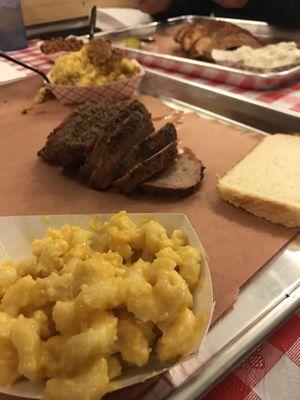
{"type": "Point", "coordinates": [46, 219]}
{"type": "Point", "coordinates": [43, 94]}
{"type": "Point", "coordinates": [26, 110]}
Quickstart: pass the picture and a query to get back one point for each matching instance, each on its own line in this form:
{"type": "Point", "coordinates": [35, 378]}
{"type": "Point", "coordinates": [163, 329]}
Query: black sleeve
{"type": "Point", "coordinates": [186, 7]}
{"type": "Point", "coordinates": [280, 12]}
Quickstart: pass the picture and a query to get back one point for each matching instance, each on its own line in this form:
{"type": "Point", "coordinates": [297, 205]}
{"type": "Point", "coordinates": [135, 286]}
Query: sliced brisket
{"type": "Point", "coordinates": [146, 169]}
{"type": "Point", "coordinates": [149, 146]}
{"type": "Point", "coordinates": [69, 143]}
{"type": "Point", "coordinates": [182, 178]}
{"type": "Point", "coordinates": [132, 127]}
{"type": "Point", "coordinates": [115, 142]}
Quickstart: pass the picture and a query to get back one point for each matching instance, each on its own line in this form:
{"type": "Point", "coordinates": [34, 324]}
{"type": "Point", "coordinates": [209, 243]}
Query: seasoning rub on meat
{"type": "Point", "coordinates": [114, 144]}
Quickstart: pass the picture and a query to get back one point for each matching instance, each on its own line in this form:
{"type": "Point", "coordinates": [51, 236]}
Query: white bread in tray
{"type": "Point", "coordinates": [266, 182]}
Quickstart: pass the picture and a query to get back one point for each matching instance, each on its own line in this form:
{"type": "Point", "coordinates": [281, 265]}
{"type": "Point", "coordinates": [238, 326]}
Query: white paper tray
{"type": "Point", "coordinates": [16, 235]}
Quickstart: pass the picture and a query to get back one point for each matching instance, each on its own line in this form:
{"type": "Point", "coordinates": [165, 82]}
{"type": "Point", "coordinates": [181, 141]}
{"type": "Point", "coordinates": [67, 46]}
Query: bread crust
{"type": "Point", "coordinates": [272, 191]}
{"type": "Point", "coordinates": [280, 213]}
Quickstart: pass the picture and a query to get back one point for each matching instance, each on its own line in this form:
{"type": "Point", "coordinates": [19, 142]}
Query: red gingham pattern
{"type": "Point", "coordinates": [252, 81]}
{"type": "Point", "coordinates": [31, 55]}
{"type": "Point", "coordinates": [245, 383]}
{"type": "Point", "coordinates": [293, 353]}
{"type": "Point", "coordinates": [253, 378]}
{"type": "Point", "coordinates": [118, 90]}
{"type": "Point", "coordinates": [285, 99]}
{"type": "Point", "coordinates": [258, 365]}
{"type": "Point", "coordinates": [70, 94]}
{"type": "Point", "coordinates": [275, 366]}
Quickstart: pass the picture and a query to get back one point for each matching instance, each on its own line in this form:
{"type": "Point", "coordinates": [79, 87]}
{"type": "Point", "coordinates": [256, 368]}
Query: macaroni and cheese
{"type": "Point", "coordinates": [94, 64]}
{"type": "Point", "coordinates": [90, 303]}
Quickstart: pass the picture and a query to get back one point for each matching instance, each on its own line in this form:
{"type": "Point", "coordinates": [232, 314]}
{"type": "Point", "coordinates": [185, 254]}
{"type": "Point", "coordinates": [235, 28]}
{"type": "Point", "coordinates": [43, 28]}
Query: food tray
{"type": "Point", "coordinates": [120, 89]}
{"type": "Point", "coordinates": [16, 234]}
{"type": "Point", "coordinates": [273, 293]}
{"type": "Point", "coordinates": [220, 73]}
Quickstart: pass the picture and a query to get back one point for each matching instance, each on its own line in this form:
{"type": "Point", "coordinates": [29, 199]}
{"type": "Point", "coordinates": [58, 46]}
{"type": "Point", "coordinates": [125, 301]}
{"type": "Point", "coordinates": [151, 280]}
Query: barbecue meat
{"type": "Point", "coordinates": [149, 146]}
{"type": "Point", "coordinates": [136, 127]}
{"type": "Point", "coordinates": [200, 38]}
{"type": "Point", "coordinates": [128, 127]}
{"type": "Point", "coordinates": [182, 178]}
{"type": "Point", "coordinates": [114, 144]}
{"type": "Point", "coordinates": [70, 143]}
{"type": "Point", "coordinates": [146, 169]}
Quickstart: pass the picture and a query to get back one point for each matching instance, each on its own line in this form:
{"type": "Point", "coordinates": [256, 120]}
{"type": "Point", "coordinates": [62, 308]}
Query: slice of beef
{"type": "Point", "coordinates": [198, 30]}
{"type": "Point", "coordinates": [180, 32]}
{"type": "Point", "coordinates": [205, 41]}
{"type": "Point", "coordinates": [149, 146]}
{"type": "Point", "coordinates": [230, 36]}
{"type": "Point", "coordinates": [69, 143]}
{"type": "Point", "coordinates": [200, 38]}
{"type": "Point", "coordinates": [182, 178]}
{"type": "Point", "coordinates": [203, 46]}
{"type": "Point", "coordinates": [146, 169]}
{"type": "Point", "coordinates": [233, 41]}
{"type": "Point", "coordinates": [133, 130]}
{"type": "Point", "coordinates": [113, 133]}
{"type": "Point", "coordinates": [191, 35]}
{"type": "Point", "coordinates": [200, 46]}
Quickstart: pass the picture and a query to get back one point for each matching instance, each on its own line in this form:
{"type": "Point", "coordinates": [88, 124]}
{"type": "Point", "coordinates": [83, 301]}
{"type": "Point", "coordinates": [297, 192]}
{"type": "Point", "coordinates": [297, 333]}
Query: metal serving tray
{"type": "Point", "coordinates": [273, 293]}
{"type": "Point", "coordinates": [233, 76]}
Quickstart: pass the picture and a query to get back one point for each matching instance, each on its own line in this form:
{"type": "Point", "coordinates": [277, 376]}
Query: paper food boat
{"type": "Point", "coordinates": [54, 56]}
{"type": "Point", "coordinates": [16, 235]}
{"type": "Point", "coordinates": [122, 89]}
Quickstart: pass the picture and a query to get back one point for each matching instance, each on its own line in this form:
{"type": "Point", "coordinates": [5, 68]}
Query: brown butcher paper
{"type": "Point", "coordinates": [237, 243]}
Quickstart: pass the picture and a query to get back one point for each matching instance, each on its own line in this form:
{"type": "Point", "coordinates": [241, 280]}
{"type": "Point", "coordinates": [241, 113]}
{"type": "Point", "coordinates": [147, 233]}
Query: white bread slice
{"type": "Point", "coordinates": [266, 182]}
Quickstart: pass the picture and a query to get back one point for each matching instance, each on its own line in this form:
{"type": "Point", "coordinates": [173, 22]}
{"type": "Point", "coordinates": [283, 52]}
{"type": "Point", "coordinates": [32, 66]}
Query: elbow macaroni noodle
{"type": "Point", "coordinates": [76, 69]}
{"type": "Point", "coordinates": [89, 304]}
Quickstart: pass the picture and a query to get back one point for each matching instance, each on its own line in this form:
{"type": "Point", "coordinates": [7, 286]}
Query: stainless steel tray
{"type": "Point", "coordinates": [234, 76]}
{"type": "Point", "coordinates": [273, 293]}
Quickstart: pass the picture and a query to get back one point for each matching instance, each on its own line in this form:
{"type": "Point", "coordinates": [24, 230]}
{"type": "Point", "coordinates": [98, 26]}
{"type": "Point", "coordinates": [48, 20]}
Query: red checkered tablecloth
{"type": "Point", "coordinates": [272, 372]}
{"type": "Point", "coordinates": [31, 55]}
{"type": "Point", "coordinates": [285, 99]}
